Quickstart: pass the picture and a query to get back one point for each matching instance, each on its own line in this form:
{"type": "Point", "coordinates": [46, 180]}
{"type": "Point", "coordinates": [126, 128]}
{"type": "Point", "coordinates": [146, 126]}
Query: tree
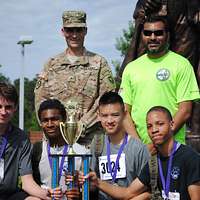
{"type": "Point", "coordinates": [122, 45]}
{"type": "Point", "coordinates": [30, 120]}
{"type": "Point", "coordinates": [3, 78]}
{"type": "Point", "coordinates": [123, 42]}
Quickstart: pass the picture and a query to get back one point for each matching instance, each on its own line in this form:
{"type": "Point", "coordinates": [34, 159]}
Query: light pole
{"type": "Point", "coordinates": [23, 40]}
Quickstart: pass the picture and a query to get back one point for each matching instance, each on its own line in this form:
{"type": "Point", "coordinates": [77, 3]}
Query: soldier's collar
{"type": "Point", "coordinates": [82, 60]}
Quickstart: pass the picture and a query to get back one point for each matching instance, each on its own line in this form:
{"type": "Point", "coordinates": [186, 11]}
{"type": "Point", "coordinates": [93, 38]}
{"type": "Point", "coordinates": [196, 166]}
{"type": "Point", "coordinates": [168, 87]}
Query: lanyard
{"type": "Point", "coordinates": [113, 172]}
{"type": "Point", "coordinates": [4, 142]}
{"type": "Point", "coordinates": [166, 183]}
{"type": "Point", "coordinates": [62, 160]}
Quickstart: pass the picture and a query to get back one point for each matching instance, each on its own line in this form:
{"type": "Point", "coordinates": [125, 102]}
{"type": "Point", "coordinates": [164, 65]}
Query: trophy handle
{"type": "Point", "coordinates": [62, 125]}
{"type": "Point", "coordinates": [80, 128]}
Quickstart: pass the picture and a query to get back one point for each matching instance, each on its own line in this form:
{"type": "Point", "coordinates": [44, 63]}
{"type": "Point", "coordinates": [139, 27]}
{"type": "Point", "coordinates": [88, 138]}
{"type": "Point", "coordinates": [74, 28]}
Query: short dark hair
{"type": "Point", "coordinates": [156, 18]}
{"type": "Point", "coordinates": [161, 109]}
{"type": "Point", "coordinates": [52, 104]}
{"type": "Point", "coordinates": [9, 92]}
{"type": "Point", "coordinates": [111, 98]}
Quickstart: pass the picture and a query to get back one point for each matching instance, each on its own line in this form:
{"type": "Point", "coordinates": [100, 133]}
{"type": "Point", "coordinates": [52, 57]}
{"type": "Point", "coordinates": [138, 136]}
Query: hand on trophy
{"type": "Point", "coordinates": [72, 178]}
{"type": "Point", "coordinates": [73, 193]}
{"type": "Point", "coordinates": [94, 180]}
{"type": "Point", "coordinates": [91, 176]}
{"type": "Point", "coordinates": [69, 178]}
{"type": "Point", "coordinates": [56, 193]}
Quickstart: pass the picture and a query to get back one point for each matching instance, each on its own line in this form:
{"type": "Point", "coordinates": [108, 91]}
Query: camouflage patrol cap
{"type": "Point", "coordinates": [74, 19]}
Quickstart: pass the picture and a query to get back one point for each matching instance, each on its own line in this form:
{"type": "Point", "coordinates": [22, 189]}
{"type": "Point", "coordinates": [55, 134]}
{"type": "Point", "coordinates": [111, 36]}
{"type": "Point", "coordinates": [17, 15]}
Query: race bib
{"type": "Point", "coordinates": [104, 168]}
{"type": "Point", "coordinates": [1, 169]}
{"type": "Point", "coordinates": [172, 196]}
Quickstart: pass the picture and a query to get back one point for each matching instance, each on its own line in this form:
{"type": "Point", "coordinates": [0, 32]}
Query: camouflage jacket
{"type": "Point", "coordinates": [85, 81]}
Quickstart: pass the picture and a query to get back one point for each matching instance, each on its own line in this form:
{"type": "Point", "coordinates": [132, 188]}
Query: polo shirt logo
{"type": "Point", "coordinates": [175, 173]}
{"type": "Point", "coordinates": [162, 74]}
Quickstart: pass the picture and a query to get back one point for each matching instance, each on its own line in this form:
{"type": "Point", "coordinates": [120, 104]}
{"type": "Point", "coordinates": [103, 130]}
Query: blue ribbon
{"type": "Point", "coordinates": [4, 141]}
{"type": "Point", "coordinates": [166, 183]}
{"type": "Point", "coordinates": [62, 160]}
{"type": "Point", "coordinates": [114, 172]}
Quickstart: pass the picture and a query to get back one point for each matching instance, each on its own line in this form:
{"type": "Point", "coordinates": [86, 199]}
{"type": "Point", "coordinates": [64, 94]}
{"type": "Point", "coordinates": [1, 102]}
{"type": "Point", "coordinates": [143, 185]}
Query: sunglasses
{"type": "Point", "coordinates": [74, 29]}
{"type": "Point", "coordinates": [156, 32]}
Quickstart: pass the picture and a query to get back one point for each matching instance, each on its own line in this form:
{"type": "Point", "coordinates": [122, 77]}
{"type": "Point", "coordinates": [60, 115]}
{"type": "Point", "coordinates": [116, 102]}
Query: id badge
{"type": "Point", "coordinates": [174, 196]}
{"type": "Point", "coordinates": [163, 195]}
{"type": "Point", "coordinates": [1, 169]}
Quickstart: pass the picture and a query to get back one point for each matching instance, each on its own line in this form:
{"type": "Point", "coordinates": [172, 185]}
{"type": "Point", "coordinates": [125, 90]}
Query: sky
{"type": "Point", "coordinates": [42, 20]}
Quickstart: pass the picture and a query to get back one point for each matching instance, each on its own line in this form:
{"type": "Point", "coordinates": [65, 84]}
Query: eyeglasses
{"type": "Point", "coordinates": [74, 29]}
{"type": "Point", "coordinates": [156, 32]}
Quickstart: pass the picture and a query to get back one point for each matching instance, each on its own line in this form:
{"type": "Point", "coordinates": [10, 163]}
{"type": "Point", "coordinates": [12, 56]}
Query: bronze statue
{"type": "Point", "coordinates": [184, 24]}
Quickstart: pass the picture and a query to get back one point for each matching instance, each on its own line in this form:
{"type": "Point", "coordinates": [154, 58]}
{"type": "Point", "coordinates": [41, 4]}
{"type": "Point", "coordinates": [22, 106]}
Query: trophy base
{"type": "Point", "coordinates": [71, 170]}
{"type": "Point", "coordinates": [71, 151]}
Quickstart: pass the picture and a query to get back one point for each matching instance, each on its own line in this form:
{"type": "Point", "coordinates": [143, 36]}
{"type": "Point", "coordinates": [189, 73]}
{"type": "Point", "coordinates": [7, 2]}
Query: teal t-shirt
{"type": "Point", "coordinates": [165, 81]}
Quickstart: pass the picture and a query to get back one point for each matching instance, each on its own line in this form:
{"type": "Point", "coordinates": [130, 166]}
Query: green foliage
{"type": "Point", "coordinates": [124, 41]}
{"type": "Point", "coordinates": [30, 120]}
{"type": "Point", "coordinates": [3, 78]}
{"type": "Point", "coordinates": [116, 64]}
{"type": "Point", "coordinates": [122, 45]}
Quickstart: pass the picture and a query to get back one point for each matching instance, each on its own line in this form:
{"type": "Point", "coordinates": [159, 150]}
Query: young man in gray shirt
{"type": "Point", "coordinates": [121, 157]}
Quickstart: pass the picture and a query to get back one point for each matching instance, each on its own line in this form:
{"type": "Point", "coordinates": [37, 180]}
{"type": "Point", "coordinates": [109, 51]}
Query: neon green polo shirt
{"type": "Point", "coordinates": [165, 81]}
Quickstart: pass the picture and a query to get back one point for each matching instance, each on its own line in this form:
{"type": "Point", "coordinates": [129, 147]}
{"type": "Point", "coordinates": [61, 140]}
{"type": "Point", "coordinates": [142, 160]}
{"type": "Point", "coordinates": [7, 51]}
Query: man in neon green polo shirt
{"type": "Point", "coordinates": [158, 78]}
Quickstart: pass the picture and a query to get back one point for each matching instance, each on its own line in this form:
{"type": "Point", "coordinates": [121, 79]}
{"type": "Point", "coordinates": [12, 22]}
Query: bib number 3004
{"type": "Point", "coordinates": [104, 169]}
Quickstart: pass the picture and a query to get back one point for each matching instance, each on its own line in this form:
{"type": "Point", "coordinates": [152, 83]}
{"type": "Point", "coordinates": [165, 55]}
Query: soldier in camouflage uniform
{"type": "Point", "coordinates": [76, 74]}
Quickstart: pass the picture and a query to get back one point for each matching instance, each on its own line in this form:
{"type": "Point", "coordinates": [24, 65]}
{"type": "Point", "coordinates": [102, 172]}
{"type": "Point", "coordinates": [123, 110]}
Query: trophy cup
{"type": "Point", "coordinates": [71, 131]}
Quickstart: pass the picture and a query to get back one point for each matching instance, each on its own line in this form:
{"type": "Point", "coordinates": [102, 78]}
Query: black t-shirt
{"type": "Point", "coordinates": [185, 171]}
